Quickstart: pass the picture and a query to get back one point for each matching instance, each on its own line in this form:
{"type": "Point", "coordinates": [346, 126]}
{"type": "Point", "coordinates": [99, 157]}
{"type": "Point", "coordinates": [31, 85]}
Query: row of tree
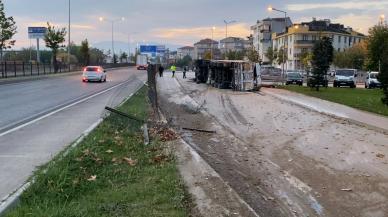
{"type": "Point", "coordinates": [54, 39]}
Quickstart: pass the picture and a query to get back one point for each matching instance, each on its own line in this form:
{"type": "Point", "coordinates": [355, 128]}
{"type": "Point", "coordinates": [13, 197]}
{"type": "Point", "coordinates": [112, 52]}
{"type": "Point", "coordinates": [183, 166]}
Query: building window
{"type": "Point", "coordinates": [305, 37]}
{"type": "Point", "coordinates": [339, 49]}
{"type": "Point", "coordinates": [339, 39]}
{"type": "Point", "coordinates": [346, 40]}
{"type": "Point", "coordinates": [314, 37]}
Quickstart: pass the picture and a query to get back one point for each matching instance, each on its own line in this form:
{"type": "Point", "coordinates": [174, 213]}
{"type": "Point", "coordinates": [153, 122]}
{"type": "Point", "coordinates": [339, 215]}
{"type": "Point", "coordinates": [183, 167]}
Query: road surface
{"type": "Point", "coordinates": [40, 118]}
{"type": "Point", "coordinates": [282, 159]}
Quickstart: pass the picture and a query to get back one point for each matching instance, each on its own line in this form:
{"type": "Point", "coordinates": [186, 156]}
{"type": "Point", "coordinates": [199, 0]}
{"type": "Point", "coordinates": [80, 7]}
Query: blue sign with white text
{"type": "Point", "coordinates": [36, 32]}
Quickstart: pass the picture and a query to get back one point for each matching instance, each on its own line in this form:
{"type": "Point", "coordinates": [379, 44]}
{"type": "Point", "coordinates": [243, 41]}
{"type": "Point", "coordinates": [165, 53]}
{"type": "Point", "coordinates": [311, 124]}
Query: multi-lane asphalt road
{"type": "Point", "coordinates": [40, 118]}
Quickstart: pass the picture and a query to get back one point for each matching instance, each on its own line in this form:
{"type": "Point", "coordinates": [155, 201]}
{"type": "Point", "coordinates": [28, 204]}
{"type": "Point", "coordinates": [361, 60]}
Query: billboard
{"type": "Point", "coordinates": [36, 32]}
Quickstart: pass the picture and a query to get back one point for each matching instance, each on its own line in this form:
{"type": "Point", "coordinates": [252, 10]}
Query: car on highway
{"type": "Point", "coordinates": [294, 78]}
{"type": "Point", "coordinates": [345, 77]}
{"type": "Point", "coordinates": [94, 73]}
{"type": "Point", "coordinates": [371, 81]}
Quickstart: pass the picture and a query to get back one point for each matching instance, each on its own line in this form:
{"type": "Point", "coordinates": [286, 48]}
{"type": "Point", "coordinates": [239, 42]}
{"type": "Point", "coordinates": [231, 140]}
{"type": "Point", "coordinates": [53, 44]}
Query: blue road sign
{"type": "Point", "coordinates": [148, 48]}
{"type": "Point", "coordinates": [36, 32]}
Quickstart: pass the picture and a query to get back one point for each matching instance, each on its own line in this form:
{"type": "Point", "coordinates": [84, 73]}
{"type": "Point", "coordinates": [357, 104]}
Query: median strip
{"type": "Point", "coordinates": [110, 173]}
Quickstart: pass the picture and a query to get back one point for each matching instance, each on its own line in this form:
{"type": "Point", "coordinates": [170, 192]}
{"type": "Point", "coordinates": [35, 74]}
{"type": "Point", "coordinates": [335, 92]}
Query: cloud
{"type": "Point", "coordinates": [376, 4]}
{"type": "Point", "coordinates": [191, 35]}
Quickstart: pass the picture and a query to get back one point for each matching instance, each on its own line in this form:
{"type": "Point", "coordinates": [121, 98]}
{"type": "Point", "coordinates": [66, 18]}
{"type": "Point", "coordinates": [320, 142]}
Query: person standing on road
{"type": "Point", "coordinates": [184, 72]}
{"type": "Point", "coordinates": [173, 69]}
{"type": "Point", "coordinates": [161, 70]}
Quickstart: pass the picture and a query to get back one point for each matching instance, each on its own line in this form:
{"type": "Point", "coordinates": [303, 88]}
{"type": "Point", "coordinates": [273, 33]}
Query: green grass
{"type": "Point", "coordinates": [149, 188]}
{"type": "Point", "coordinates": [363, 99]}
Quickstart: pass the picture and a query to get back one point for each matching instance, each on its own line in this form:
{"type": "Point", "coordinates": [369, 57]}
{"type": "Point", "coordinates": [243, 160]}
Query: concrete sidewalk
{"type": "Point", "coordinates": [331, 108]}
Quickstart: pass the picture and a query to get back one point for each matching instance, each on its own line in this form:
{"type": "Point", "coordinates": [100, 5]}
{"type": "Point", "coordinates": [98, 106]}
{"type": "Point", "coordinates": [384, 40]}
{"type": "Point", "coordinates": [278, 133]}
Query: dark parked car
{"type": "Point", "coordinates": [294, 78]}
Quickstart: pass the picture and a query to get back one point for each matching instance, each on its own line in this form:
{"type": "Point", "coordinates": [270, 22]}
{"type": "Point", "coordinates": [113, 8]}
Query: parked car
{"type": "Point", "coordinates": [371, 80]}
{"type": "Point", "coordinates": [94, 73]}
{"type": "Point", "coordinates": [345, 77]}
{"type": "Point", "coordinates": [294, 78]}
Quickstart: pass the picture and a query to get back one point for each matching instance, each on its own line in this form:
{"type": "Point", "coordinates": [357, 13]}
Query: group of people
{"type": "Point", "coordinates": [173, 70]}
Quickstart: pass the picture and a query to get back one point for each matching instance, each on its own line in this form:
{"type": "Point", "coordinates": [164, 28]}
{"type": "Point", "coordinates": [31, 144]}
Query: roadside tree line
{"type": "Point", "coordinates": [54, 39]}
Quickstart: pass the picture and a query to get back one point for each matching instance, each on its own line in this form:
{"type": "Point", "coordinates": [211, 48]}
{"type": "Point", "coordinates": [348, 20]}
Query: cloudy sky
{"type": "Point", "coordinates": [180, 22]}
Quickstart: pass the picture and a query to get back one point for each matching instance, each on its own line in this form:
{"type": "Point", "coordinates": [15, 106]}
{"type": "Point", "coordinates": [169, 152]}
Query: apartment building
{"type": "Point", "coordinates": [234, 44]}
{"type": "Point", "coordinates": [186, 51]}
{"type": "Point", "coordinates": [301, 37]}
{"type": "Point", "coordinates": [204, 46]}
{"type": "Point", "coordinates": [262, 33]}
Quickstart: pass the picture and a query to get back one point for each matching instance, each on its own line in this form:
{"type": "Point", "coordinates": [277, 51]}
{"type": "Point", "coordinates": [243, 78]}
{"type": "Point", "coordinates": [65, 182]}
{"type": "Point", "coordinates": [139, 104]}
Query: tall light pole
{"type": "Point", "coordinates": [68, 40]}
{"type": "Point", "coordinates": [226, 26]}
{"type": "Point", "coordinates": [211, 51]}
{"type": "Point", "coordinates": [270, 8]}
{"type": "Point", "coordinates": [102, 19]}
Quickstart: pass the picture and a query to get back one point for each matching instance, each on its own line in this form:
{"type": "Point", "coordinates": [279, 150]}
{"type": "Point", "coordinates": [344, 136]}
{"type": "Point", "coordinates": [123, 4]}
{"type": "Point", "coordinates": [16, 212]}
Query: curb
{"type": "Point", "coordinates": [350, 120]}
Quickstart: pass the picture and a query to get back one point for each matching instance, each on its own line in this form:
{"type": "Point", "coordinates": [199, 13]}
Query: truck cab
{"type": "Point", "coordinates": [345, 77]}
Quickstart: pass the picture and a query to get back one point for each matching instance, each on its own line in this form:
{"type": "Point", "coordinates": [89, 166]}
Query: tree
{"type": "Point", "coordinates": [123, 56]}
{"type": "Point", "coordinates": [354, 57]}
{"type": "Point", "coordinates": [115, 58]}
{"type": "Point", "coordinates": [207, 55]}
{"type": "Point", "coordinates": [54, 39]}
{"type": "Point", "coordinates": [253, 55]}
{"type": "Point", "coordinates": [378, 55]}
{"type": "Point", "coordinates": [271, 55]}
{"type": "Point", "coordinates": [305, 59]}
{"type": "Point", "coordinates": [323, 53]}
{"type": "Point", "coordinates": [85, 52]}
{"type": "Point", "coordinates": [7, 31]}
{"type": "Point", "coordinates": [234, 55]}
{"type": "Point", "coordinates": [280, 58]}
{"type": "Point", "coordinates": [185, 61]}
{"type": "Point", "coordinates": [97, 56]}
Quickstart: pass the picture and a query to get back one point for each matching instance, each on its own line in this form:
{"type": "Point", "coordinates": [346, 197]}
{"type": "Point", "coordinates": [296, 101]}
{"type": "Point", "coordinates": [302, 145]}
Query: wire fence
{"type": "Point", "coordinates": [21, 69]}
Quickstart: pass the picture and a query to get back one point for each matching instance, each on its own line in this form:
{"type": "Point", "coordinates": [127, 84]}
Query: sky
{"type": "Point", "coordinates": [179, 22]}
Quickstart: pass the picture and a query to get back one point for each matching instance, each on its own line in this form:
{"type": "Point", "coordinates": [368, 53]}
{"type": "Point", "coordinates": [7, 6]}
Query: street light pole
{"type": "Point", "coordinates": [68, 43]}
{"type": "Point", "coordinates": [212, 42]}
{"type": "Point", "coordinates": [112, 23]}
{"type": "Point", "coordinates": [226, 26]}
{"type": "Point", "coordinates": [270, 8]}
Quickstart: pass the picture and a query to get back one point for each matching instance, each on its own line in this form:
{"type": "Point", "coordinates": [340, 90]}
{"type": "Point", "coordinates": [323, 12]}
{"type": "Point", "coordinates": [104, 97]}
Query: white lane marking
{"type": "Point", "coordinates": [60, 109]}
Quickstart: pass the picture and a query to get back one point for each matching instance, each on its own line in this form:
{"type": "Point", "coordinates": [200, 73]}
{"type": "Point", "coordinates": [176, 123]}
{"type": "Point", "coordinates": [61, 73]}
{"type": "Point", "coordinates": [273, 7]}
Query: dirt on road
{"type": "Point", "coordinates": [283, 160]}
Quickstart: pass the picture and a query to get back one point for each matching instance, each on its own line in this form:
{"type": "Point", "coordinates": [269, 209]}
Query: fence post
{"type": "Point", "coordinates": [5, 69]}
{"type": "Point", "coordinates": [50, 67]}
{"type": "Point", "coordinates": [24, 72]}
{"type": "Point", "coordinates": [37, 66]}
{"type": "Point", "coordinates": [31, 68]}
{"type": "Point", "coordinates": [44, 68]}
{"type": "Point", "coordinates": [2, 70]}
{"type": "Point", "coordinates": [14, 67]}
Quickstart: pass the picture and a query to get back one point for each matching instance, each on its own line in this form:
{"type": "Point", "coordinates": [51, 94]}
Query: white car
{"type": "Point", "coordinates": [345, 77]}
{"type": "Point", "coordinates": [371, 80]}
{"type": "Point", "coordinates": [94, 73]}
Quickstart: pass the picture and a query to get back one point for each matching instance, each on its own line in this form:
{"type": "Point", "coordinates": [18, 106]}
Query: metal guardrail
{"type": "Point", "coordinates": [21, 69]}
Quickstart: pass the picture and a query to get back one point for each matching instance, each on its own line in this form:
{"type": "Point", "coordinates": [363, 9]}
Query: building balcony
{"type": "Point", "coordinates": [309, 42]}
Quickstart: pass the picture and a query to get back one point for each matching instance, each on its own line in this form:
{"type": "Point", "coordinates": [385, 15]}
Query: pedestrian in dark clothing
{"type": "Point", "coordinates": [184, 72]}
{"type": "Point", "coordinates": [161, 70]}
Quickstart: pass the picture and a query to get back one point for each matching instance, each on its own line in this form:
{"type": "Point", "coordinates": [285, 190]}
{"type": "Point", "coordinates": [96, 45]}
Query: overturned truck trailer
{"type": "Point", "coordinates": [228, 74]}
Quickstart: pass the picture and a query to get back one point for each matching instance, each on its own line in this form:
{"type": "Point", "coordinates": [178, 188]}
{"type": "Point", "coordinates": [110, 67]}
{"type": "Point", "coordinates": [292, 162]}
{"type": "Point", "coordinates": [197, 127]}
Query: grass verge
{"type": "Point", "coordinates": [110, 173]}
{"type": "Point", "coordinates": [364, 99]}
